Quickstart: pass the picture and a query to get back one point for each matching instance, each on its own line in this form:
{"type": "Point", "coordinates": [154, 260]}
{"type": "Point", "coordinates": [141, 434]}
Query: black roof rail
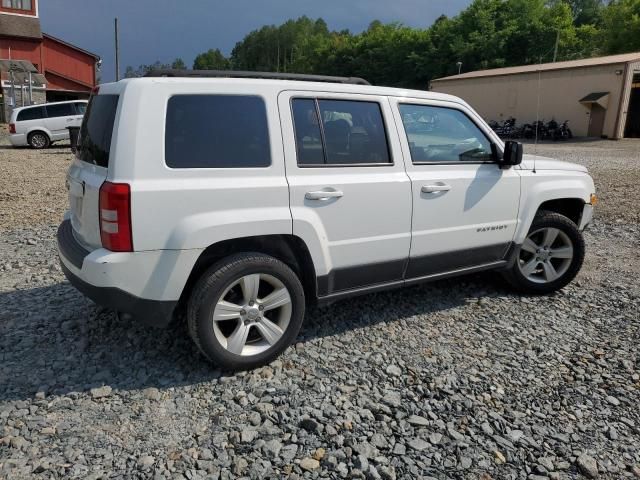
{"type": "Point", "coordinates": [267, 75]}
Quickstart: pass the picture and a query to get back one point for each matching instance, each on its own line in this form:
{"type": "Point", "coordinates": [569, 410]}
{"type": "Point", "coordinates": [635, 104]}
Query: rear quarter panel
{"type": "Point", "coordinates": [193, 208]}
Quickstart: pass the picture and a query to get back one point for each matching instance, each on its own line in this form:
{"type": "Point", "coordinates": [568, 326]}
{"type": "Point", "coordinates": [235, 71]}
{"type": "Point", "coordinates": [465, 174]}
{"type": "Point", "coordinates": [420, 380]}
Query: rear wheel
{"type": "Point", "coordinates": [39, 140]}
{"type": "Point", "coordinates": [246, 310]}
{"type": "Point", "coordinates": [550, 257]}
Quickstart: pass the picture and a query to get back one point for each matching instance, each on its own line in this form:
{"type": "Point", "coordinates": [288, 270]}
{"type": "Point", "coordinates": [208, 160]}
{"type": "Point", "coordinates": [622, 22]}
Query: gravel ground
{"type": "Point", "coordinates": [455, 379]}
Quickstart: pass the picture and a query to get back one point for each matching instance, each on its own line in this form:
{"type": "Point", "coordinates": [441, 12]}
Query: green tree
{"type": "Point", "coordinates": [487, 34]}
{"type": "Point", "coordinates": [621, 26]}
{"type": "Point", "coordinates": [142, 70]}
{"type": "Point", "coordinates": [178, 64]}
{"type": "Point", "coordinates": [586, 12]}
{"type": "Point", "coordinates": [211, 60]}
{"type": "Point", "coordinates": [130, 72]}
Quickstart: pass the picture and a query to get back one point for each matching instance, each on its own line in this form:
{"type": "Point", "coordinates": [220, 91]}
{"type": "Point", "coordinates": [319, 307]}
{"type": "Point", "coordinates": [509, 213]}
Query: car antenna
{"type": "Point", "coordinates": [535, 148]}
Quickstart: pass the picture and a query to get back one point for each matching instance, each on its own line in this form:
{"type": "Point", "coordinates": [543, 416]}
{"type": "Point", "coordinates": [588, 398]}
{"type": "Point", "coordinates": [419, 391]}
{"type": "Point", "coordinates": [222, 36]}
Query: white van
{"type": "Point", "coordinates": [240, 200]}
{"type": "Point", "coordinates": [41, 125]}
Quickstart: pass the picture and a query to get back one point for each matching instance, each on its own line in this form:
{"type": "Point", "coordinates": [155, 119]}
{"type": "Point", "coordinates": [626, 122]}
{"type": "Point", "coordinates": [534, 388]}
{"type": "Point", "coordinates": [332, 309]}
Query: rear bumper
{"type": "Point", "coordinates": [146, 285]}
{"type": "Point", "coordinates": [18, 139]}
{"type": "Point", "coordinates": [154, 313]}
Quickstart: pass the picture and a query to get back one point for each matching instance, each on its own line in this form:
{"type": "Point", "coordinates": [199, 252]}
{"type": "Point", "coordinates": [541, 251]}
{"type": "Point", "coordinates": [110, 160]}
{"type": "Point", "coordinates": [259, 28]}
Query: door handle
{"type": "Point", "coordinates": [323, 195]}
{"type": "Point", "coordinates": [442, 187]}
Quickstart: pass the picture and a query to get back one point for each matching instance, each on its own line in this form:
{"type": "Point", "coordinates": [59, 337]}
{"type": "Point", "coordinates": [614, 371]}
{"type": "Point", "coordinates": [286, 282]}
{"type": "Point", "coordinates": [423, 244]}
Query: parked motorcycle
{"type": "Point", "coordinates": [506, 129]}
{"type": "Point", "coordinates": [563, 132]}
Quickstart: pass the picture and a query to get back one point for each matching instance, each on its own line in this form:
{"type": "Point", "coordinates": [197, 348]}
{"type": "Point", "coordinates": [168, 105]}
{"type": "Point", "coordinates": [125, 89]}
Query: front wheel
{"type": "Point", "coordinates": [550, 257]}
{"type": "Point", "coordinates": [246, 310]}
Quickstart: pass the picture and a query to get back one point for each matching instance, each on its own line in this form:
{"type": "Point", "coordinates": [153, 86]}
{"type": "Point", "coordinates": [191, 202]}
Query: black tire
{"type": "Point", "coordinates": [39, 140]}
{"type": "Point", "coordinates": [214, 282]}
{"type": "Point", "coordinates": [546, 219]}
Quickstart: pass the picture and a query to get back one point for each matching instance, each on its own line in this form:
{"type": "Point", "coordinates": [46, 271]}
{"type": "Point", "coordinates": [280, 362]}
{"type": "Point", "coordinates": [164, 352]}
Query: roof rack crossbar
{"type": "Point", "coordinates": [264, 75]}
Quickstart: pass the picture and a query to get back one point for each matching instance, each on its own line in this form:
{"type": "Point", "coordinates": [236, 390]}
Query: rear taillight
{"type": "Point", "coordinates": [115, 217]}
{"type": "Point", "coordinates": [12, 128]}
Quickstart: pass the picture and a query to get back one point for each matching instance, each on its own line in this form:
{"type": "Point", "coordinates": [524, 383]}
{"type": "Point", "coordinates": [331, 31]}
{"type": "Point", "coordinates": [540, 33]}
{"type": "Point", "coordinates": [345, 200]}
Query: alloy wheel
{"type": "Point", "coordinates": [545, 255]}
{"type": "Point", "coordinates": [252, 314]}
{"type": "Point", "coordinates": [38, 140]}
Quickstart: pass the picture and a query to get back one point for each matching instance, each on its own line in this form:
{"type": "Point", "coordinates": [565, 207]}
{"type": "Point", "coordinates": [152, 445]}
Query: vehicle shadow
{"type": "Point", "coordinates": [50, 149]}
{"type": "Point", "coordinates": [53, 340]}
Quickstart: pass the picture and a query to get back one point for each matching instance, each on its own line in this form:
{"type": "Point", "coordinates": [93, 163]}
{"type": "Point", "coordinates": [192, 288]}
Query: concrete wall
{"type": "Point", "coordinates": [497, 98]}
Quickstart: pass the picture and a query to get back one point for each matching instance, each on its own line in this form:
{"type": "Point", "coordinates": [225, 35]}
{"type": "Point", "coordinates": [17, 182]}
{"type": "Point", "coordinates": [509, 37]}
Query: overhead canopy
{"type": "Point", "coordinates": [599, 98]}
{"type": "Point", "coordinates": [19, 70]}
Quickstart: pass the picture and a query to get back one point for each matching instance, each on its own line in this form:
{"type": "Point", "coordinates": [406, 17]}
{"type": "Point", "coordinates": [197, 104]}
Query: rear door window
{"type": "Point", "coordinates": [339, 132]}
{"type": "Point", "coordinates": [33, 113]}
{"type": "Point", "coordinates": [217, 131]}
{"type": "Point", "coordinates": [97, 129]}
{"type": "Point", "coordinates": [61, 110]}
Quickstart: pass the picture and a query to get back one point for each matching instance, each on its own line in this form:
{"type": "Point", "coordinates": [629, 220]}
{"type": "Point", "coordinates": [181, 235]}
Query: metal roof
{"type": "Point", "coordinates": [21, 69]}
{"type": "Point", "coordinates": [585, 62]}
{"type": "Point", "coordinates": [593, 97]}
{"type": "Point", "coordinates": [20, 26]}
{"type": "Point", "coordinates": [70, 45]}
{"type": "Point", "coordinates": [17, 66]}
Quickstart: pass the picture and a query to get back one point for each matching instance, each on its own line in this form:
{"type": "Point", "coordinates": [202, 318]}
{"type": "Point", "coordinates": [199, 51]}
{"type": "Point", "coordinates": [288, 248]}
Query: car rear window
{"type": "Point", "coordinates": [217, 131]}
{"type": "Point", "coordinates": [34, 113]}
{"type": "Point", "coordinates": [97, 129]}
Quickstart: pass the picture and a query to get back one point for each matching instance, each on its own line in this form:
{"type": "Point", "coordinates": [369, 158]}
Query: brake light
{"type": "Point", "coordinates": [12, 128]}
{"type": "Point", "coordinates": [115, 217]}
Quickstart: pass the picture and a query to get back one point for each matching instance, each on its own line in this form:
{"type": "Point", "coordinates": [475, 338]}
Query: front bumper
{"type": "Point", "coordinates": [101, 281]}
{"type": "Point", "coordinates": [586, 217]}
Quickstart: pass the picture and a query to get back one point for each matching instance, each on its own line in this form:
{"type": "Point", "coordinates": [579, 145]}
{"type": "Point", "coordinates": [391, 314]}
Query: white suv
{"type": "Point", "coordinates": [239, 200]}
{"type": "Point", "coordinates": [41, 125]}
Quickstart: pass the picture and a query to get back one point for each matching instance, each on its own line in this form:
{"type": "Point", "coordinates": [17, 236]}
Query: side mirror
{"type": "Point", "coordinates": [512, 154]}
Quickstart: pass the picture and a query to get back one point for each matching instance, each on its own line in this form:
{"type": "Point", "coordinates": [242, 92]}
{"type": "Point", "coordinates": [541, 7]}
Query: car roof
{"type": "Point", "coordinates": [284, 85]}
{"type": "Point", "coordinates": [18, 109]}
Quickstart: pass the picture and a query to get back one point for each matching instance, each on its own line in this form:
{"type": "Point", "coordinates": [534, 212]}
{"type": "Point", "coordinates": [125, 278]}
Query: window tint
{"type": "Point", "coordinates": [81, 108]}
{"type": "Point", "coordinates": [308, 136]}
{"type": "Point", "coordinates": [439, 134]}
{"type": "Point", "coordinates": [34, 113]}
{"type": "Point", "coordinates": [61, 110]}
{"type": "Point", "coordinates": [17, 4]}
{"type": "Point", "coordinates": [348, 133]}
{"type": "Point", "coordinates": [97, 129]}
{"type": "Point", "coordinates": [216, 131]}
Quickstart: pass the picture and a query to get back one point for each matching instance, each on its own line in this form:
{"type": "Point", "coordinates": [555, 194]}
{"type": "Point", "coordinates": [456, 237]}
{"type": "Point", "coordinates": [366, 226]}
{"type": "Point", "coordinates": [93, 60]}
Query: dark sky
{"type": "Point", "coordinates": [163, 30]}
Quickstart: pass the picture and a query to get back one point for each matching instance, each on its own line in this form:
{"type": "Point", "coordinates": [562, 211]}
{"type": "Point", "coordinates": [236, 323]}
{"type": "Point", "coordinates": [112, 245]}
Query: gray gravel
{"type": "Point", "coordinates": [455, 379]}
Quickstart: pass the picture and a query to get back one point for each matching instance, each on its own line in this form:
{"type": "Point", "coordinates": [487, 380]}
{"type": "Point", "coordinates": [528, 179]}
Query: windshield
{"type": "Point", "coordinates": [94, 144]}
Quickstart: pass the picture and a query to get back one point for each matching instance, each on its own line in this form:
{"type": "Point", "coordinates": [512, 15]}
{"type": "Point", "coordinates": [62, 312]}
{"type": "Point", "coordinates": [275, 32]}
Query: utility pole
{"type": "Point", "coordinates": [117, 50]}
{"type": "Point", "coordinates": [555, 49]}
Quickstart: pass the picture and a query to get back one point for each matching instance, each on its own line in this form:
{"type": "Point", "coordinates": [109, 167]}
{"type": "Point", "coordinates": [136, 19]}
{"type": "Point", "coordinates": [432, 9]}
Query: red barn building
{"type": "Point", "coordinates": [60, 71]}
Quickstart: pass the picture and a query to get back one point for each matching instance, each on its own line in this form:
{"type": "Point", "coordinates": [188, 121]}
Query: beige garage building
{"type": "Point", "coordinates": [599, 96]}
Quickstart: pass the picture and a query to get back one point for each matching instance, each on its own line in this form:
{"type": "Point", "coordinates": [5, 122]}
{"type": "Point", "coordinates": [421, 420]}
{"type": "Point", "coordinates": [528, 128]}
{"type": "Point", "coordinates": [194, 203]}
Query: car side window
{"type": "Point", "coordinates": [217, 131]}
{"type": "Point", "coordinates": [339, 132]}
{"type": "Point", "coordinates": [308, 135]}
{"type": "Point", "coordinates": [443, 135]}
{"type": "Point", "coordinates": [81, 108]}
{"type": "Point", "coordinates": [61, 110]}
{"type": "Point", "coordinates": [33, 113]}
